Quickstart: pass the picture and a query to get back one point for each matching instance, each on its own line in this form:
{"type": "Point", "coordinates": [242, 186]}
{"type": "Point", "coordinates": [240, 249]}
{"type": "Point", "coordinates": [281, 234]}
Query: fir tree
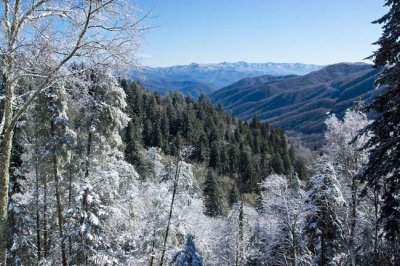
{"type": "Point", "coordinates": [212, 196]}
{"type": "Point", "coordinates": [189, 255]}
{"type": "Point", "coordinates": [382, 173]}
{"type": "Point", "coordinates": [233, 195]}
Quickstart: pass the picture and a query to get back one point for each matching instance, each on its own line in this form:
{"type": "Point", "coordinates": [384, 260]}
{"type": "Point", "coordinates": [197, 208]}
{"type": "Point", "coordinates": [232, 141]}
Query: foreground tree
{"type": "Point", "coordinates": [323, 225]}
{"type": "Point", "coordinates": [35, 47]}
{"type": "Point", "coordinates": [348, 158]}
{"type": "Point", "coordinates": [282, 202]}
{"type": "Point", "coordinates": [382, 173]}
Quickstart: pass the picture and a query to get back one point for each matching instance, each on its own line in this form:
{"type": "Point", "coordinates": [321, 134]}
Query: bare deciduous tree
{"type": "Point", "coordinates": [39, 41]}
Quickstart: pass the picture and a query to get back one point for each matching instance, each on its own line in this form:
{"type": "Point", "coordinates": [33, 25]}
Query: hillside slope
{"type": "Point", "coordinates": [299, 103]}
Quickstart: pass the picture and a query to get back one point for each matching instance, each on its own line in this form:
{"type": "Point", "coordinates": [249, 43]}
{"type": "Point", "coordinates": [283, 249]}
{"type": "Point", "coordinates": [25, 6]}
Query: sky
{"type": "Point", "coordinates": [286, 31]}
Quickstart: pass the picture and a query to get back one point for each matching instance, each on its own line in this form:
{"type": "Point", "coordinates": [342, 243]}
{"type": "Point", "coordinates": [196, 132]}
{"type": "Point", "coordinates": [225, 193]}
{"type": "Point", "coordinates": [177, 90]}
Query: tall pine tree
{"type": "Point", "coordinates": [382, 173]}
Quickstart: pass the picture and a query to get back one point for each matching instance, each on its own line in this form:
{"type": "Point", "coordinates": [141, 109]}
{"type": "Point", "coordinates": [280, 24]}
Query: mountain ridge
{"type": "Point", "coordinates": [211, 77]}
{"type": "Point", "coordinates": [299, 104]}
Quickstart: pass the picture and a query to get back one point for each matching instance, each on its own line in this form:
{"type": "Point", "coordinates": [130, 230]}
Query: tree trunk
{"type": "Point", "coordinates": [294, 244]}
{"type": "Point", "coordinates": [83, 241]}
{"type": "Point", "coordinates": [5, 151]}
{"type": "Point", "coordinates": [59, 211]}
{"type": "Point", "coordinates": [239, 257]}
{"type": "Point", "coordinates": [45, 226]}
{"type": "Point", "coordinates": [153, 245]}
{"type": "Point", "coordinates": [170, 212]}
{"type": "Point", "coordinates": [376, 231]}
{"type": "Point", "coordinates": [58, 199]}
{"type": "Point", "coordinates": [39, 249]}
{"type": "Point", "coordinates": [323, 238]}
{"type": "Point", "coordinates": [353, 219]}
{"type": "Point", "coordinates": [70, 196]}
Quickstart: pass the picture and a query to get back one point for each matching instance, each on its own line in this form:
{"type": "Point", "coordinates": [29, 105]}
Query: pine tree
{"type": "Point", "coordinates": [212, 195]}
{"type": "Point", "coordinates": [132, 139]}
{"type": "Point", "coordinates": [189, 255]}
{"type": "Point", "coordinates": [245, 171]}
{"type": "Point", "coordinates": [214, 160]}
{"type": "Point", "coordinates": [233, 196]}
{"type": "Point", "coordinates": [382, 173]}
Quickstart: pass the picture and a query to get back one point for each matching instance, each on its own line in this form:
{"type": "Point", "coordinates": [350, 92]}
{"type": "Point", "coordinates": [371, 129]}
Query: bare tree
{"type": "Point", "coordinates": [184, 153]}
{"type": "Point", "coordinates": [39, 40]}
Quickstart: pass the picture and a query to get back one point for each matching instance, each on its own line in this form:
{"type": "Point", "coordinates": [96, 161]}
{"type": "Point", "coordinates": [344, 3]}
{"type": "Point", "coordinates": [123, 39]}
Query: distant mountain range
{"type": "Point", "coordinates": [299, 104]}
{"type": "Point", "coordinates": [195, 79]}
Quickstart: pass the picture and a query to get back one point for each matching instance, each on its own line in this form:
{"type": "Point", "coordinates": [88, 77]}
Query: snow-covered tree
{"type": "Point", "coordinates": [84, 229]}
{"type": "Point", "coordinates": [345, 152]}
{"type": "Point", "coordinates": [39, 39]}
{"type": "Point", "coordinates": [382, 174]}
{"type": "Point", "coordinates": [47, 148]}
{"type": "Point", "coordinates": [229, 239]}
{"type": "Point", "coordinates": [283, 210]}
{"type": "Point", "coordinates": [323, 225]}
{"type": "Point", "coordinates": [188, 256]}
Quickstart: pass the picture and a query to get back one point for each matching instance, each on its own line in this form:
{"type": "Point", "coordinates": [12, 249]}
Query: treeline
{"type": "Point", "coordinates": [245, 151]}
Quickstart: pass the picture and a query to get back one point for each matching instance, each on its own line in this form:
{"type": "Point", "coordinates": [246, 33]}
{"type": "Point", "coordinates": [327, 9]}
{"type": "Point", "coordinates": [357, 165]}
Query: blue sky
{"type": "Point", "coordinates": [305, 31]}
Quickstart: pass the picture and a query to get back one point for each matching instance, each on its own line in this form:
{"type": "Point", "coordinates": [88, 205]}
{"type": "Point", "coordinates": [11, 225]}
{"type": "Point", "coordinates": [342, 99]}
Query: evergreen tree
{"type": "Point", "coordinates": [189, 255]}
{"type": "Point", "coordinates": [84, 227]}
{"type": "Point", "coordinates": [212, 196]}
{"type": "Point", "coordinates": [382, 173]}
{"type": "Point", "coordinates": [277, 164]}
{"type": "Point", "coordinates": [132, 139]}
{"type": "Point", "coordinates": [233, 196]}
{"type": "Point", "coordinates": [233, 155]}
{"type": "Point", "coordinates": [245, 171]}
{"type": "Point", "coordinates": [214, 160]}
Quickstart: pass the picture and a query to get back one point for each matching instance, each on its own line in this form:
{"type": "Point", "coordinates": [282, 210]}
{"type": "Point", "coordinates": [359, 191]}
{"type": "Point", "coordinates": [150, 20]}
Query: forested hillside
{"type": "Point", "coordinates": [228, 145]}
{"type": "Point", "coordinates": [299, 104]}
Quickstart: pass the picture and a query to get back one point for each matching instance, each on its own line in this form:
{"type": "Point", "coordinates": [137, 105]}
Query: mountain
{"type": "Point", "coordinates": [299, 104]}
{"type": "Point", "coordinates": [188, 87]}
{"type": "Point", "coordinates": [195, 79]}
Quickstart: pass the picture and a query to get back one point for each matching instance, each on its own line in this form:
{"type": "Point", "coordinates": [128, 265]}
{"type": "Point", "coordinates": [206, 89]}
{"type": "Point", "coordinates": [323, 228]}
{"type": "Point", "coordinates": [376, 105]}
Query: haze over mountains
{"type": "Point", "coordinates": [195, 79]}
{"type": "Point", "coordinates": [299, 104]}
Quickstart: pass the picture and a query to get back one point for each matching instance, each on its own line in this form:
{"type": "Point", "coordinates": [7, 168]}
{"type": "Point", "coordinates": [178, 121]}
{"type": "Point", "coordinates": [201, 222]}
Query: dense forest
{"type": "Point", "coordinates": [96, 170]}
{"type": "Point", "coordinates": [68, 161]}
{"type": "Point", "coordinates": [228, 145]}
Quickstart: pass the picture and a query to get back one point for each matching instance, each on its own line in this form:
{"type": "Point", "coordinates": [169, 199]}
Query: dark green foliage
{"type": "Point", "coordinates": [215, 160]}
{"type": "Point", "coordinates": [132, 141]}
{"type": "Point", "coordinates": [233, 196]}
{"type": "Point", "coordinates": [246, 152]}
{"type": "Point", "coordinates": [382, 174]}
{"type": "Point", "coordinates": [212, 195]}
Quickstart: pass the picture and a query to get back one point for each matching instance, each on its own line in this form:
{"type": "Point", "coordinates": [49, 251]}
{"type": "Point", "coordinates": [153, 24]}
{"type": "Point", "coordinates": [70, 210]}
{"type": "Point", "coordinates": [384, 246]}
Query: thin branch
{"type": "Point", "coordinates": [45, 83]}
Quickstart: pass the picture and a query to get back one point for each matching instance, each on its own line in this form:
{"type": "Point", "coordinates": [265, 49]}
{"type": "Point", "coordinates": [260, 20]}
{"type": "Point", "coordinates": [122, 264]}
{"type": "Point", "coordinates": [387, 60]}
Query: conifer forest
{"type": "Point", "coordinates": [98, 169]}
